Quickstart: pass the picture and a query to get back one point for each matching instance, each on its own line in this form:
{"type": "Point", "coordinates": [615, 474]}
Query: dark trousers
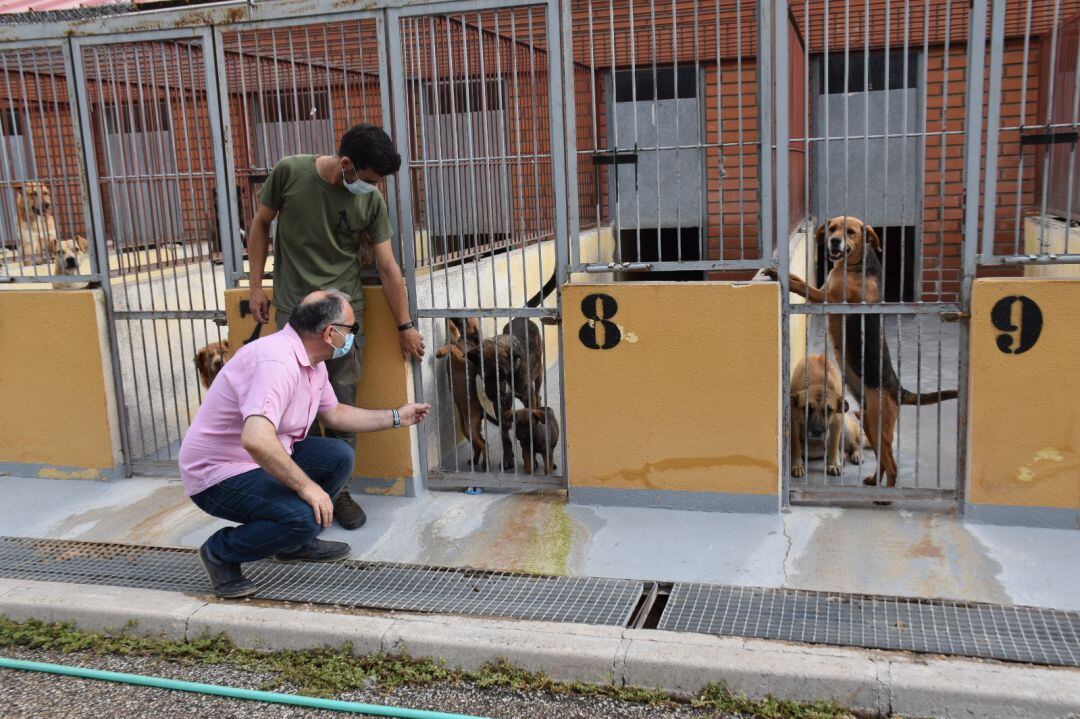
{"type": "Point", "coordinates": [271, 516]}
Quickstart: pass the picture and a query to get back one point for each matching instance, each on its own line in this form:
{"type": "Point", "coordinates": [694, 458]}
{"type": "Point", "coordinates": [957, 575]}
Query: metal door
{"type": "Point", "coordinates": [478, 118]}
{"type": "Point", "coordinates": [868, 165]}
{"type": "Point", "coordinates": [155, 168]}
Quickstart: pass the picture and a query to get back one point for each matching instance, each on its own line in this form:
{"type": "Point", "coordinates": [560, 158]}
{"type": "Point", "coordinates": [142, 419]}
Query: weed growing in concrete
{"type": "Point", "coordinates": [332, 672]}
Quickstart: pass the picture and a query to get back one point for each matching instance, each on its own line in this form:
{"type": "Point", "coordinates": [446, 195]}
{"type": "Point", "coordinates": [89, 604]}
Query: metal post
{"type": "Point", "coordinates": [993, 123]}
{"type": "Point", "coordinates": [783, 169]}
{"type": "Point", "coordinates": [232, 249]}
{"type": "Point", "coordinates": [972, 158]}
{"type": "Point", "coordinates": [766, 29]}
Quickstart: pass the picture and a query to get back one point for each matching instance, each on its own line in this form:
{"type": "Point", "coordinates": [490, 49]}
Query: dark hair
{"type": "Point", "coordinates": [311, 318]}
{"type": "Point", "coordinates": [369, 147]}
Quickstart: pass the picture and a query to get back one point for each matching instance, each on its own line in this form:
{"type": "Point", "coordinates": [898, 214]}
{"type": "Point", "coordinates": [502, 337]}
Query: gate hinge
{"type": "Point", "coordinates": [955, 316]}
{"type": "Point", "coordinates": [549, 320]}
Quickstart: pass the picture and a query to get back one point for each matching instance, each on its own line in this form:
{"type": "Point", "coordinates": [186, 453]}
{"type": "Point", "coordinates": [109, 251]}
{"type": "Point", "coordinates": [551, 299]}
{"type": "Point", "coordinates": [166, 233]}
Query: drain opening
{"type": "Point", "coordinates": [650, 606]}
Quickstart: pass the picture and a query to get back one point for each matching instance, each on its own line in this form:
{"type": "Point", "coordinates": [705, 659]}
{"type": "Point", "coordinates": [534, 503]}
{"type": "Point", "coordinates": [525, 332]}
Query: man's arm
{"type": "Point", "coordinates": [346, 418]}
{"type": "Point", "coordinates": [258, 247]}
{"type": "Point", "coordinates": [393, 284]}
{"type": "Point", "coordinates": [259, 438]}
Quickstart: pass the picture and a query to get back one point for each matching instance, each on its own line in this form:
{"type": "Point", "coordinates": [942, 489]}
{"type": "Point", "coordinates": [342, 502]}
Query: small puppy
{"type": "Point", "coordinates": [68, 256]}
{"type": "Point", "coordinates": [820, 418]}
{"type": "Point", "coordinates": [462, 376]}
{"type": "Point", "coordinates": [37, 228]}
{"type": "Point", "coordinates": [537, 432]}
{"type": "Point", "coordinates": [209, 361]}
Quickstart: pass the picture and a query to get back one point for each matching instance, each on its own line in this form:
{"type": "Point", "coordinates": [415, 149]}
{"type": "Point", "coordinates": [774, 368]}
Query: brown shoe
{"type": "Point", "coordinates": [347, 512]}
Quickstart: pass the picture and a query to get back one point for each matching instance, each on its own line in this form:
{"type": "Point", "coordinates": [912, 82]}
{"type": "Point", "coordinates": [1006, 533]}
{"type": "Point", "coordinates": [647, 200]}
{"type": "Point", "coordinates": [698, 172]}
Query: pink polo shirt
{"type": "Point", "coordinates": [272, 377]}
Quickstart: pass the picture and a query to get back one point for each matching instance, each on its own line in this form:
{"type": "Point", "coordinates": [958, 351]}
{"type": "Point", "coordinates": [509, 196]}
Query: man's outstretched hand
{"type": "Point", "coordinates": [413, 413]}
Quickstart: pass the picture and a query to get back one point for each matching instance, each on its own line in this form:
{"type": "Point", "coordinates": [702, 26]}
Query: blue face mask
{"type": "Point", "coordinates": [358, 186]}
{"type": "Point", "coordinates": [343, 350]}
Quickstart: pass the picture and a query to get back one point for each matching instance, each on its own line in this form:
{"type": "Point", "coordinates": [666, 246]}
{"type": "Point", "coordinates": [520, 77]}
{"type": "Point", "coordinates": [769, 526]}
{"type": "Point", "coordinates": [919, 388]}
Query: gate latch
{"type": "Point", "coordinates": [955, 316]}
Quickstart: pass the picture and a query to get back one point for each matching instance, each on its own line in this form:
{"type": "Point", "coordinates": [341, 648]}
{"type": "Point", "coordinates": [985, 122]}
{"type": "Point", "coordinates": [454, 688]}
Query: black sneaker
{"type": "Point", "coordinates": [347, 512]}
{"type": "Point", "coordinates": [317, 550]}
{"type": "Point", "coordinates": [226, 579]}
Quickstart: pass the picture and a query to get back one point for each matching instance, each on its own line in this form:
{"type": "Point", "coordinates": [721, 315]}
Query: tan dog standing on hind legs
{"type": "Point", "coordinates": [37, 228]}
{"type": "Point", "coordinates": [820, 420]}
{"type": "Point", "coordinates": [462, 376]}
{"type": "Point", "coordinates": [859, 340]}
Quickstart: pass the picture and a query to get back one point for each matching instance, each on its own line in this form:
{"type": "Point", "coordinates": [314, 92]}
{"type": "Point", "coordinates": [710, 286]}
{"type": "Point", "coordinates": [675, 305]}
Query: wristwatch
{"type": "Point", "coordinates": [407, 326]}
{"type": "Point", "coordinates": [397, 418]}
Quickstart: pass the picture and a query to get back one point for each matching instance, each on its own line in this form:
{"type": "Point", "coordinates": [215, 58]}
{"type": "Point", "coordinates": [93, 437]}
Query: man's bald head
{"type": "Point", "coordinates": [318, 311]}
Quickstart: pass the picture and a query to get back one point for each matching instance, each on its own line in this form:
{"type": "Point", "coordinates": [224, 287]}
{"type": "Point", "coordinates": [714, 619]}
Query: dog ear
{"type": "Point", "coordinates": [54, 245]}
{"type": "Point", "coordinates": [225, 344]}
{"type": "Point", "coordinates": [872, 236]}
{"type": "Point", "coordinates": [844, 407]}
{"type": "Point", "coordinates": [81, 242]}
{"type": "Point", "coordinates": [819, 236]}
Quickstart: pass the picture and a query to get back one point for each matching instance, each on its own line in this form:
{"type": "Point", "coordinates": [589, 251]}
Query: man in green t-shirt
{"type": "Point", "coordinates": [328, 213]}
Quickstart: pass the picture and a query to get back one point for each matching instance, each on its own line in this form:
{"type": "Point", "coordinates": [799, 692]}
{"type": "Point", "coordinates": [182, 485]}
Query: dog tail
{"type": "Point", "coordinates": [920, 398]}
{"type": "Point", "coordinates": [539, 297]}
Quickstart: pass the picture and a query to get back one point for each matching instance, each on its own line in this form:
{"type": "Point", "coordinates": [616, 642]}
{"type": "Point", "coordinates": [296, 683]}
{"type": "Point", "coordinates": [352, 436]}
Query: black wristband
{"type": "Point", "coordinates": [407, 326]}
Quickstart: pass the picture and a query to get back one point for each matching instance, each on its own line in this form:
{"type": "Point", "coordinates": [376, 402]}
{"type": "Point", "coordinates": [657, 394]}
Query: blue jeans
{"type": "Point", "coordinates": [272, 517]}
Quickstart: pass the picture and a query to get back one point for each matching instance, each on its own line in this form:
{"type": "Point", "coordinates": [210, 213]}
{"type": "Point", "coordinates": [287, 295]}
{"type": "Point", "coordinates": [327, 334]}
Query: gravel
{"type": "Point", "coordinates": [26, 695]}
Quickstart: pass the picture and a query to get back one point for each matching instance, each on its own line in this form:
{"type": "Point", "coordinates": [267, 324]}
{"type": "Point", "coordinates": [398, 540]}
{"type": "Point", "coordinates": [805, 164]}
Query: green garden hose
{"type": "Point", "coordinates": [230, 692]}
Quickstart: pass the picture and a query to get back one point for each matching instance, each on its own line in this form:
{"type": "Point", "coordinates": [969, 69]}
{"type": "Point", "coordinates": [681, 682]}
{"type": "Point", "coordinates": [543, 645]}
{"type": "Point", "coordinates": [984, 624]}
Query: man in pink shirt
{"type": "Point", "coordinates": [247, 458]}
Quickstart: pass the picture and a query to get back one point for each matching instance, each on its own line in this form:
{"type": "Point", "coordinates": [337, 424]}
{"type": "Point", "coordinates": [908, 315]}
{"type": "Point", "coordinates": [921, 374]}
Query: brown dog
{"type": "Point", "coordinates": [462, 377]}
{"type": "Point", "coordinates": [855, 277]}
{"type": "Point", "coordinates": [209, 361]}
{"type": "Point", "coordinates": [537, 433]}
{"type": "Point", "coordinates": [530, 337]}
{"type": "Point", "coordinates": [37, 228]}
{"type": "Point", "coordinates": [500, 363]}
{"type": "Point", "coordinates": [820, 418]}
{"type": "Point", "coordinates": [68, 256]}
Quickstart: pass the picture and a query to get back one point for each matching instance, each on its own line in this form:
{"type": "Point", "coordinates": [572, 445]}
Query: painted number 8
{"type": "Point", "coordinates": [599, 309]}
{"type": "Point", "coordinates": [1027, 330]}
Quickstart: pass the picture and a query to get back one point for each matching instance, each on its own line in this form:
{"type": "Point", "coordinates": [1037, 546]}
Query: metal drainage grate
{"type": "Point", "coordinates": [377, 585]}
{"type": "Point", "coordinates": [988, 631]}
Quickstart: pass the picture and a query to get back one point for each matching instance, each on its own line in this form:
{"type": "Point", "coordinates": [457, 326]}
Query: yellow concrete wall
{"type": "Point", "coordinates": [1025, 408]}
{"type": "Point", "coordinates": [57, 403]}
{"type": "Point", "coordinates": [1053, 233]}
{"type": "Point", "coordinates": [687, 402]}
{"type": "Point", "coordinates": [386, 382]}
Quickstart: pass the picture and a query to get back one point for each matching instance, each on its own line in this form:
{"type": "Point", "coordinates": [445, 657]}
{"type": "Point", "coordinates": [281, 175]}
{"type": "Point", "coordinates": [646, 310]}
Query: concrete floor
{"type": "Point", "coordinates": [872, 551]}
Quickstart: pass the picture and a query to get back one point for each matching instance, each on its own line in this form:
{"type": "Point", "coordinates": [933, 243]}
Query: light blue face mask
{"type": "Point", "coordinates": [343, 350]}
{"type": "Point", "coordinates": [358, 186]}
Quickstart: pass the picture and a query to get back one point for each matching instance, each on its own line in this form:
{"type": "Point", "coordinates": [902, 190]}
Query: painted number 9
{"type": "Point", "coordinates": [599, 309]}
{"type": "Point", "coordinates": [1026, 329]}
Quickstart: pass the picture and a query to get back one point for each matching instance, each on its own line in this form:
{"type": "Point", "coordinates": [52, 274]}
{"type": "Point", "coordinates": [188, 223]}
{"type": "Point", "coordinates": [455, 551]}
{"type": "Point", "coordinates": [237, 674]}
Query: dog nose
{"type": "Point", "coordinates": [71, 263]}
{"type": "Point", "coordinates": [835, 242]}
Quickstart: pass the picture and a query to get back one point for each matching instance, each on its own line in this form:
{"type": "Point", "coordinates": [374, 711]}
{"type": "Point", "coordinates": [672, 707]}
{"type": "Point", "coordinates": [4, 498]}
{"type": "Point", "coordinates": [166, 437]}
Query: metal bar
{"type": "Point", "coordinates": [883, 309]}
{"type": "Point", "coordinates": [47, 279]}
{"type": "Point", "coordinates": [170, 314]}
{"type": "Point", "coordinates": [570, 252]}
{"type": "Point", "coordinates": [972, 158]}
{"type": "Point", "coordinates": [1043, 259]}
{"type": "Point", "coordinates": [768, 26]}
{"type": "Point", "coordinates": [813, 493]}
{"type": "Point", "coordinates": [783, 237]}
{"type": "Point", "coordinates": [694, 265]}
{"type": "Point", "coordinates": [232, 249]}
{"type": "Point", "coordinates": [439, 479]}
{"type": "Point", "coordinates": [993, 122]}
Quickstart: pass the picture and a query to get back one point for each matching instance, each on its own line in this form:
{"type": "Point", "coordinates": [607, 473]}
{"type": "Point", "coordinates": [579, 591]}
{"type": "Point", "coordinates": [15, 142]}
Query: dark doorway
{"type": "Point", "coordinates": [899, 259]}
{"type": "Point", "coordinates": [668, 244]}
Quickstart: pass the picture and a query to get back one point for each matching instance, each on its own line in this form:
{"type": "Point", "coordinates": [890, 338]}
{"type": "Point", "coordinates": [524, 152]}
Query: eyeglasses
{"type": "Point", "coordinates": [354, 328]}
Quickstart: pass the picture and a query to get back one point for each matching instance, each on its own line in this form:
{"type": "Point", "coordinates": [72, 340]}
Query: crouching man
{"type": "Point", "coordinates": [247, 458]}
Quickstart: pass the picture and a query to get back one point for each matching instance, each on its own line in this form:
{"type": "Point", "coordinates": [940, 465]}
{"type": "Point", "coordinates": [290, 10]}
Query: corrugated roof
{"type": "Point", "coordinates": [8, 7]}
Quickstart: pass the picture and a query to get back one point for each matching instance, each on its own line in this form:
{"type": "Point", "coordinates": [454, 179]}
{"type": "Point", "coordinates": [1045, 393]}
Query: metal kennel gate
{"type": "Point", "coordinates": [477, 107]}
{"type": "Point", "coordinates": [859, 59]}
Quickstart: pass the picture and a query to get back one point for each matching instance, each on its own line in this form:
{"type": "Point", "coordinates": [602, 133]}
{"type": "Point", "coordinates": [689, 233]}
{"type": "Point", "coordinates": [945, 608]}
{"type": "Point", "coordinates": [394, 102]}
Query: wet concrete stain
{"type": "Point", "coordinates": [159, 518]}
{"type": "Point", "coordinates": [645, 475]}
{"type": "Point", "coordinates": [900, 553]}
{"type": "Point", "coordinates": [519, 533]}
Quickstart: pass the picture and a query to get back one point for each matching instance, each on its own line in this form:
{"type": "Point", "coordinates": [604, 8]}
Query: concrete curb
{"type": "Point", "coordinates": [870, 681]}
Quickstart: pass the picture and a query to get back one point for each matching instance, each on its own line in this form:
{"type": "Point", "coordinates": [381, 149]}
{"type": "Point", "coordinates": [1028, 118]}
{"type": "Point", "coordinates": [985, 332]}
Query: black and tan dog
{"type": "Point", "coordinates": [537, 433]}
{"type": "Point", "coordinates": [859, 340]}
{"type": "Point", "coordinates": [501, 365]}
{"type": "Point", "coordinates": [465, 335]}
{"type": "Point", "coordinates": [530, 337]}
{"type": "Point", "coordinates": [820, 420]}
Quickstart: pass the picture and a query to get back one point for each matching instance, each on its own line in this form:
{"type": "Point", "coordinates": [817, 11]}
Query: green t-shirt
{"type": "Point", "coordinates": [318, 237]}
